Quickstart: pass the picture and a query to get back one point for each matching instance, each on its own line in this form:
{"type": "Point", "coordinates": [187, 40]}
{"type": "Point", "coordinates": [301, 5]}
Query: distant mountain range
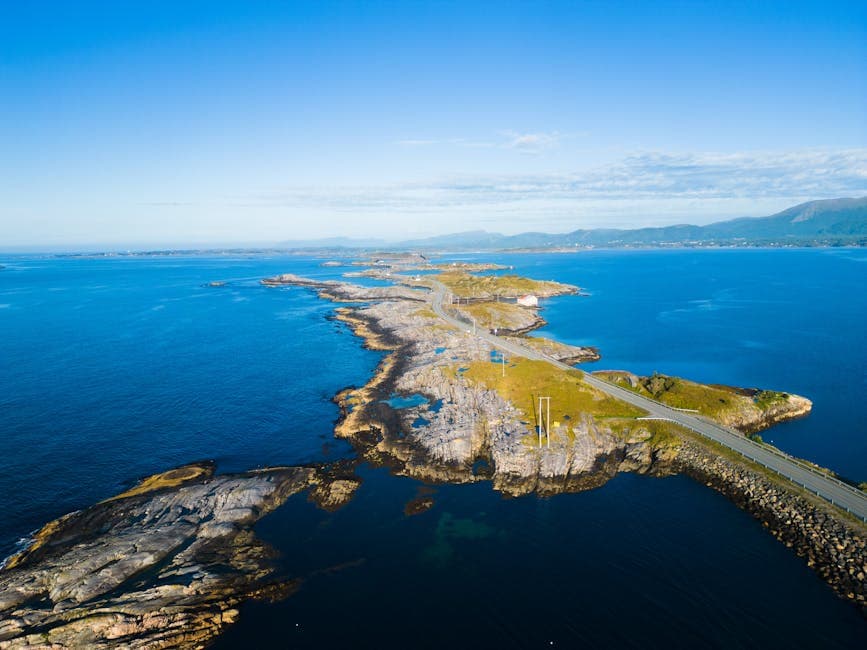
{"type": "Point", "coordinates": [822, 223]}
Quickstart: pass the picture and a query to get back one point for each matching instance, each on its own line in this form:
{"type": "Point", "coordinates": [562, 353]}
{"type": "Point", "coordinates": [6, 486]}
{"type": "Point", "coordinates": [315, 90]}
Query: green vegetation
{"type": "Point", "coordinates": [171, 478]}
{"type": "Point", "coordinates": [765, 399]}
{"type": "Point", "coordinates": [680, 393]}
{"type": "Point", "coordinates": [657, 433]}
{"type": "Point", "coordinates": [502, 315]}
{"type": "Point", "coordinates": [465, 285]}
{"type": "Point", "coordinates": [526, 380]}
{"type": "Point", "coordinates": [662, 433]}
{"type": "Point", "coordinates": [425, 312]}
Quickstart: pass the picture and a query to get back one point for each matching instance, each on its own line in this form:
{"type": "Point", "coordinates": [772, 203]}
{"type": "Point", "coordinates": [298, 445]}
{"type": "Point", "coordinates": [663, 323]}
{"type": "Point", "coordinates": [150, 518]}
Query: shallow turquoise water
{"type": "Point", "coordinates": [116, 368]}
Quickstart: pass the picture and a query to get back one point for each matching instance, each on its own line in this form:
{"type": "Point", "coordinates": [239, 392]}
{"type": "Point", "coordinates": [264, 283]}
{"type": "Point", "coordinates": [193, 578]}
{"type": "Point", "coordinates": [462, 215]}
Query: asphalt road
{"type": "Point", "coordinates": [838, 493]}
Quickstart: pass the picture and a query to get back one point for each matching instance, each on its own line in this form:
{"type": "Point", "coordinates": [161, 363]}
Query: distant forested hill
{"type": "Point", "coordinates": [832, 221]}
{"type": "Point", "coordinates": [828, 222]}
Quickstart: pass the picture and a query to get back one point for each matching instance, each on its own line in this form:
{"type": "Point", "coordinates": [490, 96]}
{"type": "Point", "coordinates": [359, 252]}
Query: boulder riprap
{"type": "Point", "coordinates": [834, 547]}
{"type": "Point", "coordinates": [164, 565]}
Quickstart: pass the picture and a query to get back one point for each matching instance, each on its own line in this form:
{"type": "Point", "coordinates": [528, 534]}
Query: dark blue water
{"type": "Point", "coordinates": [116, 368]}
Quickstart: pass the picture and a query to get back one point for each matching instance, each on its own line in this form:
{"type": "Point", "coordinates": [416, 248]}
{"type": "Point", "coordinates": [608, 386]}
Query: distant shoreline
{"type": "Point", "coordinates": [356, 252]}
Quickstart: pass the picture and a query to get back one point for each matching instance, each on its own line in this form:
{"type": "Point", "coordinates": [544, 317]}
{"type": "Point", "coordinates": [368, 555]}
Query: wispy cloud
{"type": "Point", "coordinates": [167, 204]}
{"type": "Point", "coordinates": [650, 185]}
{"type": "Point", "coordinates": [522, 142]}
{"type": "Point", "coordinates": [531, 142]}
{"type": "Point", "coordinates": [416, 142]}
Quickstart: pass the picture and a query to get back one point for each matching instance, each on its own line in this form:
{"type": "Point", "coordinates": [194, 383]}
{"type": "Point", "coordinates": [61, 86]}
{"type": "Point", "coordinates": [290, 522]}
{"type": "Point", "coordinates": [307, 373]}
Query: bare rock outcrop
{"type": "Point", "coordinates": [345, 291]}
{"type": "Point", "coordinates": [460, 423]}
{"type": "Point", "coordinates": [164, 565]}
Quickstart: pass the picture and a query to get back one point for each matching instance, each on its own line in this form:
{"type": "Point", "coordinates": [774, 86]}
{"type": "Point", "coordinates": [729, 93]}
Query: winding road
{"type": "Point", "coordinates": [836, 492]}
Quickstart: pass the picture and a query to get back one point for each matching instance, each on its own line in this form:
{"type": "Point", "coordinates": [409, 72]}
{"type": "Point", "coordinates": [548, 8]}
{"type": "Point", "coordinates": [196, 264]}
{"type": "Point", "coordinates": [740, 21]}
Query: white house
{"type": "Point", "coordinates": [528, 301]}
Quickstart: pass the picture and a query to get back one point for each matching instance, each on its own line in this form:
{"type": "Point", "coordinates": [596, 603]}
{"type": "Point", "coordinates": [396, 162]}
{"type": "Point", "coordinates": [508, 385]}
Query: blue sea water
{"type": "Point", "coordinates": [116, 368]}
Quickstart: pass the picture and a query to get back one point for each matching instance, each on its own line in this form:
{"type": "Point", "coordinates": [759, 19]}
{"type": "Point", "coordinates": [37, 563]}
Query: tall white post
{"type": "Point", "coordinates": [548, 425]}
{"type": "Point", "coordinates": [539, 418]}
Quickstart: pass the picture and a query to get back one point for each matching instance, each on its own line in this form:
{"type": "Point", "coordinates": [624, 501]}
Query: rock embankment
{"type": "Point", "coordinates": [164, 565]}
{"type": "Point", "coordinates": [834, 547]}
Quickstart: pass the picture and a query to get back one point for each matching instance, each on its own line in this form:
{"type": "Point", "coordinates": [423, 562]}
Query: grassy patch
{"type": "Point", "coordinates": [662, 433]}
{"type": "Point", "coordinates": [526, 380]}
{"type": "Point", "coordinates": [681, 393]}
{"type": "Point", "coordinates": [426, 312]}
{"type": "Point", "coordinates": [466, 285]}
{"type": "Point", "coordinates": [765, 399]}
{"type": "Point", "coordinates": [502, 315]}
{"type": "Point", "coordinates": [172, 478]}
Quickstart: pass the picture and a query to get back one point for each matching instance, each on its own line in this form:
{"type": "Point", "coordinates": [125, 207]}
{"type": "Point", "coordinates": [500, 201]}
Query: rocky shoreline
{"type": "Point", "coordinates": [591, 452]}
{"type": "Point", "coordinates": [164, 565]}
{"type": "Point", "coordinates": [832, 545]}
{"type": "Point", "coordinates": [464, 422]}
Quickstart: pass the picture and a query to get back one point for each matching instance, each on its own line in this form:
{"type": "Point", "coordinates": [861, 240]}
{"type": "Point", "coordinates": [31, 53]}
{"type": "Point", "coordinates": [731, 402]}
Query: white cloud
{"type": "Point", "coordinates": [642, 189]}
{"type": "Point", "coordinates": [522, 142]}
{"type": "Point", "coordinates": [531, 142]}
{"type": "Point", "coordinates": [416, 142]}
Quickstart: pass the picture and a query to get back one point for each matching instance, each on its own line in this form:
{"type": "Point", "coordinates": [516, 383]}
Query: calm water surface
{"type": "Point", "coordinates": [116, 368]}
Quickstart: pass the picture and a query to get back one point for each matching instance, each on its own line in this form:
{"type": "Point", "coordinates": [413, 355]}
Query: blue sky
{"type": "Point", "coordinates": [125, 123]}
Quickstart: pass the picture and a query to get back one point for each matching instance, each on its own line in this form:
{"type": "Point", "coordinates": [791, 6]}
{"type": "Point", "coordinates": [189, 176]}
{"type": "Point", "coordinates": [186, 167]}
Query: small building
{"type": "Point", "coordinates": [528, 301]}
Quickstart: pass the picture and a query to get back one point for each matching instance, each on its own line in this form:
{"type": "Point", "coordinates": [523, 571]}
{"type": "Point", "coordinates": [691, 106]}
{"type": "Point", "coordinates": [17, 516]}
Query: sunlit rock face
{"type": "Point", "coordinates": [159, 567]}
{"type": "Point", "coordinates": [462, 424]}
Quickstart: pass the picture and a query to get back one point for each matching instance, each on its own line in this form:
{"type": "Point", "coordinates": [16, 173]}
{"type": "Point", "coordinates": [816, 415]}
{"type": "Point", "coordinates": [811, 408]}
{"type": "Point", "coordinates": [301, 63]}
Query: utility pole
{"type": "Point", "coordinates": [539, 417]}
{"type": "Point", "coordinates": [548, 424]}
{"type": "Point", "coordinates": [503, 357]}
{"type": "Point", "coordinates": [545, 420]}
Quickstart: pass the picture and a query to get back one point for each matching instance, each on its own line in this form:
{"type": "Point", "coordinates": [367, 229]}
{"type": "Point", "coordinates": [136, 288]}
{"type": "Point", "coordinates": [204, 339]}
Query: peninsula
{"type": "Point", "coordinates": [463, 396]}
